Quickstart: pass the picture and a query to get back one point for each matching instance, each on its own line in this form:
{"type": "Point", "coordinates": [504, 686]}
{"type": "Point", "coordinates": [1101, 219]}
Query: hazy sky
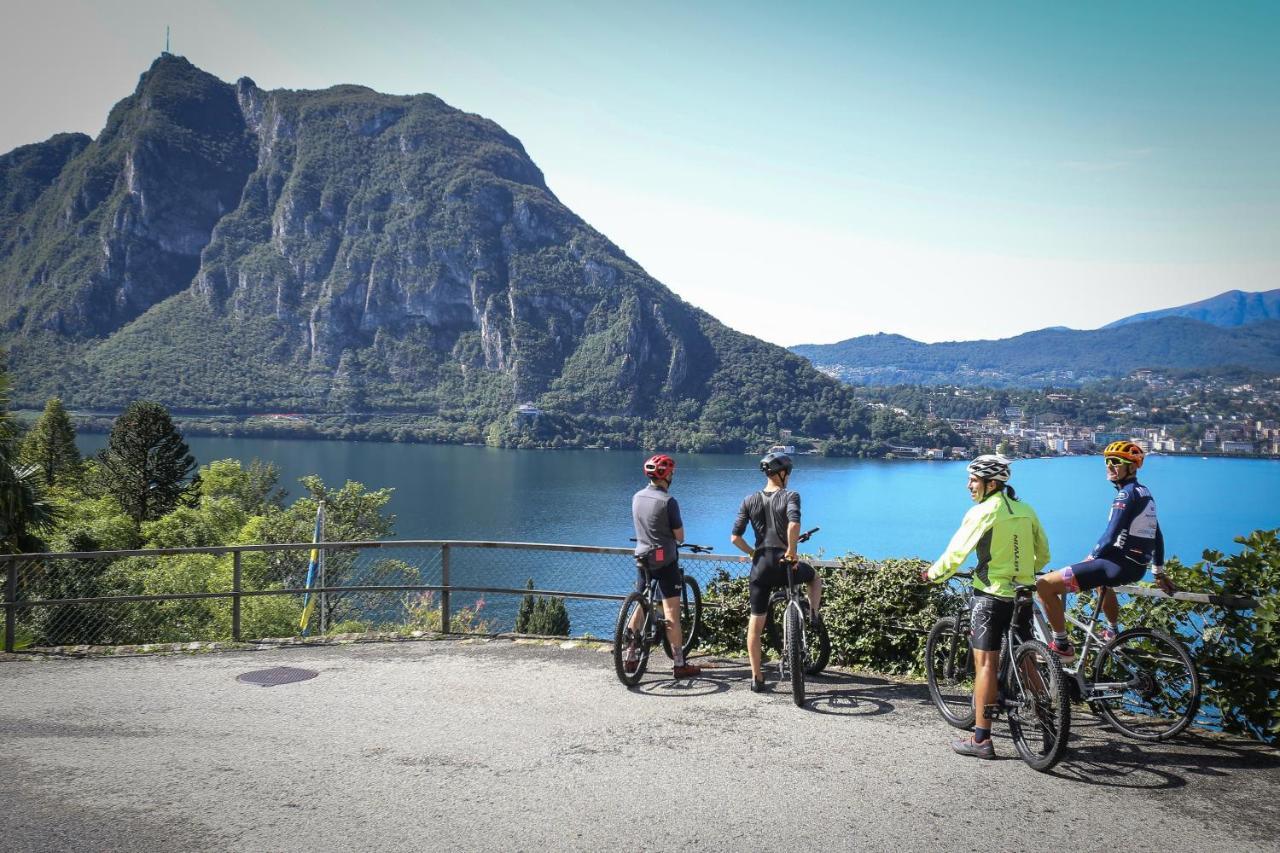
{"type": "Point", "coordinates": [805, 172]}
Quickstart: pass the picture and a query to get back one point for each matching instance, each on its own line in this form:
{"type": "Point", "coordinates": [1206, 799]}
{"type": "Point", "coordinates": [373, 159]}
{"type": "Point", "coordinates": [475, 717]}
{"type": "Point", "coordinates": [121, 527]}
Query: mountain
{"type": "Point", "coordinates": [1049, 356]}
{"type": "Point", "coordinates": [227, 249]}
{"type": "Point", "coordinates": [1230, 309]}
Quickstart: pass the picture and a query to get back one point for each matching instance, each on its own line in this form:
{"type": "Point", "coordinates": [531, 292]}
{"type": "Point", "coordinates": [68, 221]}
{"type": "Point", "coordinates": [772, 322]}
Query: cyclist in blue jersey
{"type": "Point", "coordinates": [1131, 543]}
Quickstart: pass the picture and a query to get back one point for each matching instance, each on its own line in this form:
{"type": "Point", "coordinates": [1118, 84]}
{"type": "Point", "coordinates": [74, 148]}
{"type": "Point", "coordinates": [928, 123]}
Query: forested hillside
{"type": "Point", "coordinates": [366, 258]}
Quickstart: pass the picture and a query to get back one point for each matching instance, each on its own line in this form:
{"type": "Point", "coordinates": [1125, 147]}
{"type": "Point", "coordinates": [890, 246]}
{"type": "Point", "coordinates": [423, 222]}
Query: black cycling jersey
{"type": "Point", "coordinates": [769, 514]}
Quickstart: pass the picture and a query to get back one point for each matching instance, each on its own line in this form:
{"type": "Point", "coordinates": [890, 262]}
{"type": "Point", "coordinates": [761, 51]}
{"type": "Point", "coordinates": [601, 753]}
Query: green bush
{"type": "Point", "coordinates": [877, 613]}
{"type": "Point", "coordinates": [545, 617]}
{"type": "Point", "coordinates": [1237, 652]}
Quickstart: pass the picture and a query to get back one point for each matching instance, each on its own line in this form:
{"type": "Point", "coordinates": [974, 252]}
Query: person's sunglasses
{"type": "Point", "coordinates": [1113, 462]}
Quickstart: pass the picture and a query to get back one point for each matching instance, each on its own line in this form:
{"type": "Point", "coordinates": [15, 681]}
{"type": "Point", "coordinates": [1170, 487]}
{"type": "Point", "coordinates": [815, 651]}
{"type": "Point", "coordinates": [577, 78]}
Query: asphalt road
{"type": "Point", "coordinates": [498, 746]}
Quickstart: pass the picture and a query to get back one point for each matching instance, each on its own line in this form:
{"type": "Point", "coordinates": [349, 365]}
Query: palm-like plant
{"type": "Point", "coordinates": [24, 508]}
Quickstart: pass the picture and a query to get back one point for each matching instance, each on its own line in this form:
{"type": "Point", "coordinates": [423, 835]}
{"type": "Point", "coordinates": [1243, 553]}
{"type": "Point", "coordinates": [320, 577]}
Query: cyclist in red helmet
{"type": "Point", "coordinates": [1132, 542]}
{"type": "Point", "coordinates": [659, 532]}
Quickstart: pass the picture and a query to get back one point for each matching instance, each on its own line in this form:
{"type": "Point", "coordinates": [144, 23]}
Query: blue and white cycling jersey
{"type": "Point", "coordinates": [1133, 532]}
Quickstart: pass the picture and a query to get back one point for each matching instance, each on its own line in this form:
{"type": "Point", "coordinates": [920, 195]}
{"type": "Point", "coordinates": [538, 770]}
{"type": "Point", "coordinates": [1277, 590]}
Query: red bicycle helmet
{"type": "Point", "coordinates": [660, 467]}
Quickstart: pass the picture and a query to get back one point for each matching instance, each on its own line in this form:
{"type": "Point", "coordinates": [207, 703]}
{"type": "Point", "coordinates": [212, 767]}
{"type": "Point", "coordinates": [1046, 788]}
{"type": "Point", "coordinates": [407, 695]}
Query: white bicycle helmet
{"type": "Point", "coordinates": [991, 466]}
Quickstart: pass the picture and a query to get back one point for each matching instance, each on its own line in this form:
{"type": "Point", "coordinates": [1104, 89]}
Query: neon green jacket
{"type": "Point", "coordinates": [1010, 542]}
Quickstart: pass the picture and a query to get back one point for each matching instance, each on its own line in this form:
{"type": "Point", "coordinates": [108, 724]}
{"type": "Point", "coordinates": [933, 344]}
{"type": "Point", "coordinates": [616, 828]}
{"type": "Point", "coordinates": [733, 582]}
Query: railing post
{"type": "Point", "coordinates": [444, 593]}
{"type": "Point", "coordinates": [235, 597]}
{"type": "Point", "coordinates": [11, 606]}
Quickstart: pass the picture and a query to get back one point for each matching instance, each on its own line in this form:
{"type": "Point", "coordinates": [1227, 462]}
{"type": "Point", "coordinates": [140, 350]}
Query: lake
{"type": "Point", "coordinates": [871, 507]}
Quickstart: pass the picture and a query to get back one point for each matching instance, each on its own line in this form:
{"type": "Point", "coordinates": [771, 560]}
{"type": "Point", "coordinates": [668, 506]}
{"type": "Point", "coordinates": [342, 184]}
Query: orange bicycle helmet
{"type": "Point", "coordinates": [1126, 450]}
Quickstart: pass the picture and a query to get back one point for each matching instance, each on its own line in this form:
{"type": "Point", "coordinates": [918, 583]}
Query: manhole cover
{"type": "Point", "coordinates": [276, 676]}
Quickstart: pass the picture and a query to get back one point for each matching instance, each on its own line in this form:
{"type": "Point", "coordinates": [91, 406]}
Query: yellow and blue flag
{"type": "Point", "coordinates": [313, 568]}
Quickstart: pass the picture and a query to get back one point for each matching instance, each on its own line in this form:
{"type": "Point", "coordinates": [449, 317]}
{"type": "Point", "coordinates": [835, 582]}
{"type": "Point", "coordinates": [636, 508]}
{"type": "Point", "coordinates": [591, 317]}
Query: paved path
{"type": "Point", "coordinates": [498, 746]}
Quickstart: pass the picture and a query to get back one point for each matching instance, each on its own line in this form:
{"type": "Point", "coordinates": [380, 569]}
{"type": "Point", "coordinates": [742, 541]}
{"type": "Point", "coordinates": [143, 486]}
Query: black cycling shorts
{"type": "Point", "coordinates": [768, 572]}
{"type": "Point", "coordinates": [1092, 574]}
{"type": "Point", "coordinates": [669, 578]}
{"type": "Point", "coordinates": [989, 619]}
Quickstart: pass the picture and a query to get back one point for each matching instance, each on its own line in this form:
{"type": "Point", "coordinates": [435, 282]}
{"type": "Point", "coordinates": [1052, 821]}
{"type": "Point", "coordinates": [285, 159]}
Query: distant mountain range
{"type": "Point", "coordinates": [1230, 309]}
{"type": "Point", "coordinates": [1051, 356]}
{"type": "Point", "coordinates": [222, 248]}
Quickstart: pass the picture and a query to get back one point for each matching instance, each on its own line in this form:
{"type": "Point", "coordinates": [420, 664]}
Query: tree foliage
{"type": "Point", "coordinates": [51, 445]}
{"type": "Point", "coordinates": [24, 508]}
{"type": "Point", "coordinates": [146, 465]}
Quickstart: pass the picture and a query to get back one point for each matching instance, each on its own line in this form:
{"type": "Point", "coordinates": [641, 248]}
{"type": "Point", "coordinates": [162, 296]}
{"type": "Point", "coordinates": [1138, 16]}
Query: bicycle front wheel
{"type": "Point", "coordinates": [793, 650]}
{"type": "Point", "coordinates": [630, 646]}
{"type": "Point", "coordinates": [817, 648]}
{"type": "Point", "coordinates": [1039, 705]}
{"type": "Point", "coordinates": [1146, 685]}
{"type": "Point", "coordinates": [690, 618]}
{"type": "Point", "coordinates": [948, 666]}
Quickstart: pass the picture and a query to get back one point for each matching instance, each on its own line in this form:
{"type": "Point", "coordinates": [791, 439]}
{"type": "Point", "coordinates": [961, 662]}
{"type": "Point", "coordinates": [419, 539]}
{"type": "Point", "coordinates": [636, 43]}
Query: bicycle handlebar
{"type": "Point", "coordinates": [697, 549]}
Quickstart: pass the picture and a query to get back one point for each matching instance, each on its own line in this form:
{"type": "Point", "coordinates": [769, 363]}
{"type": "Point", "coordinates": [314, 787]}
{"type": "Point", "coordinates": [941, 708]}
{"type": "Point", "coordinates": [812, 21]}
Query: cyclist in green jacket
{"type": "Point", "coordinates": [1011, 548]}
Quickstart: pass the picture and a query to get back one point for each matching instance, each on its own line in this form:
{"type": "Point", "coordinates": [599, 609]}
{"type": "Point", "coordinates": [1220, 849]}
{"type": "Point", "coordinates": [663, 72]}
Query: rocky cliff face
{"type": "Point", "coordinates": [223, 246]}
{"type": "Point", "coordinates": [123, 225]}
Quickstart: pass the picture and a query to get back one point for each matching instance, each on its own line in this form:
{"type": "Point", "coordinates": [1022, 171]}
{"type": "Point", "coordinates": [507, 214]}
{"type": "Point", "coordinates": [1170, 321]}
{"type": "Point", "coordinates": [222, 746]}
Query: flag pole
{"type": "Point", "coordinates": [314, 566]}
{"type": "Point", "coordinates": [324, 611]}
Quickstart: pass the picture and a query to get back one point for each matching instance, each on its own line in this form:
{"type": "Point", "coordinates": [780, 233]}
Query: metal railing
{"type": "Point", "coordinates": [250, 592]}
{"type": "Point", "coordinates": [240, 593]}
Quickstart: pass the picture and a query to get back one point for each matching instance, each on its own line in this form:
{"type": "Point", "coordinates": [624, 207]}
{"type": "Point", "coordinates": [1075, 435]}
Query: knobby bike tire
{"type": "Point", "coordinates": [793, 641]}
{"type": "Point", "coordinates": [1164, 687]}
{"type": "Point", "coordinates": [818, 648]}
{"type": "Point", "coordinates": [690, 618]}
{"type": "Point", "coordinates": [1039, 714]}
{"type": "Point", "coordinates": [623, 636]}
{"type": "Point", "coordinates": [949, 669]}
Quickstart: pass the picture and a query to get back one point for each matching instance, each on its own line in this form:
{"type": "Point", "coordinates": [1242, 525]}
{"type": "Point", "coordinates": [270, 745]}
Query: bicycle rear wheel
{"type": "Point", "coordinates": [1155, 690]}
{"type": "Point", "coordinates": [690, 617]}
{"type": "Point", "coordinates": [793, 650]}
{"type": "Point", "coordinates": [1039, 705]}
{"type": "Point", "coordinates": [948, 666]}
{"type": "Point", "coordinates": [630, 645]}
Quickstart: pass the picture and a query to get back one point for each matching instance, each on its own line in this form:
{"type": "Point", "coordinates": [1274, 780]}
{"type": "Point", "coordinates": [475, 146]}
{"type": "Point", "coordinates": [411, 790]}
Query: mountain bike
{"type": "Point", "coordinates": [1144, 683]}
{"type": "Point", "coordinates": [804, 646]}
{"type": "Point", "coordinates": [1033, 691]}
{"type": "Point", "coordinates": [642, 625]}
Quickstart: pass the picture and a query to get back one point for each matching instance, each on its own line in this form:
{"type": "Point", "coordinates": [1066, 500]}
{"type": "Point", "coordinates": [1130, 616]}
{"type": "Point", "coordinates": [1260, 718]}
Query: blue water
{"type": "Point", "coordinates": [875, 508]}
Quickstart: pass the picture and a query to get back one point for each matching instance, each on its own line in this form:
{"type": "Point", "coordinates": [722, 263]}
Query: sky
{"type": "Point", "coordinates": [805, 172]}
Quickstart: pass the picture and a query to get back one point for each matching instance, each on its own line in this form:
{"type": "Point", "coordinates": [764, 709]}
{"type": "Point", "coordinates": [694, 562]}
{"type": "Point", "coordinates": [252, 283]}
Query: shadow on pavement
{"type": "Point", "coordinates": [845, 695]}
{"type": "Point", "coordinates": [1098, 755]}
{"type": "Point", "coordinates": [684, 688]}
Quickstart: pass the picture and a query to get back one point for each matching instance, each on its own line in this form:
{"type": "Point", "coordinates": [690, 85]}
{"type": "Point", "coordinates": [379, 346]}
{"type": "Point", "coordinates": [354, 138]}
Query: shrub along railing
{"type": "Point", "coordinates": [877, 611]}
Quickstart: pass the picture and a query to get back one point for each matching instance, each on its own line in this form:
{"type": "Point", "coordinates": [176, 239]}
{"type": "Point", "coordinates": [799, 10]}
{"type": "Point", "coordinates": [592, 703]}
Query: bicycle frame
{"type": "Point", "coordinates": [1087, 690]}
{"type": "Point", "coordinates": [1011, 642]}
{"type": "Point", "coordinates": [649, 631]}
{"type": "Point", "coordinates": [794, 597]}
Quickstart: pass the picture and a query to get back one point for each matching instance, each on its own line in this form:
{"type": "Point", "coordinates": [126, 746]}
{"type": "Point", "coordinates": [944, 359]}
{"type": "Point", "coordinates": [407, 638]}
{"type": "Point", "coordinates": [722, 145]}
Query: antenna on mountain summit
{"type": "Point", "coordinates": [166, 40]}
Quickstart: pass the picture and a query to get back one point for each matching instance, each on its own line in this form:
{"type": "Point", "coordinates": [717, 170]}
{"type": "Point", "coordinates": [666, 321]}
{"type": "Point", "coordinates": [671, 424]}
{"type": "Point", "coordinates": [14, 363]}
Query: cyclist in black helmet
{"type": "Point", "coordinates": [774, 514]}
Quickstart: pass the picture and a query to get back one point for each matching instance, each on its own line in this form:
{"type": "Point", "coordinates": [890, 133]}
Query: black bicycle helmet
{"type": "Point", "coordinates": [772, 463]}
